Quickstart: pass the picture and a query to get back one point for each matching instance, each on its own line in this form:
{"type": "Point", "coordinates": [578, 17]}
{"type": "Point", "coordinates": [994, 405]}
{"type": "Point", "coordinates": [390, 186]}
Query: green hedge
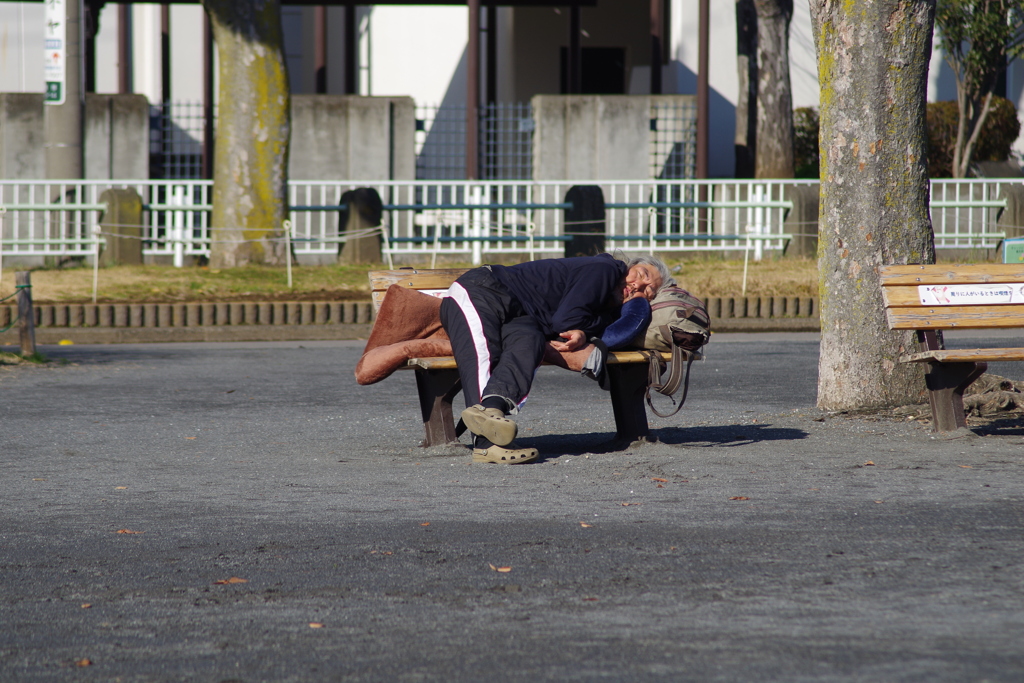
{"type": "Point", "coordinates": [1000, 132]}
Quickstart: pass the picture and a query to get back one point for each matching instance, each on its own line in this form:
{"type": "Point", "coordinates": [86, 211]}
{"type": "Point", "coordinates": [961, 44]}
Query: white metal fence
{"type": "Point", "coordinates": [472, 220]}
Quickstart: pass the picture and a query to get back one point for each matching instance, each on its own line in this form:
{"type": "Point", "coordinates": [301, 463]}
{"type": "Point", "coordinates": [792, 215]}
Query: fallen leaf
{"type": "Point", "coordinates": [190, 438]}
{"type": "Point", "coordinates": [425, 524]}
{"type": "Point", "coordinates": [628, 504]}
{"type": "Point", "coordinates": [129, 531]}
{"type": "Point", "coordinates": [869, 463]}
{"type": "Point", "coordinates": [879, 501]}
{"type": "Point", "coordinates": [86, 605]}
{"type": "Point", "coordinates": [966, 467]}
{"type": "Point", "coordinates": [585, 525]}
{"type": "Point", "coordinates": [83, 662]}
{"type": "Point", "coordinates": [315, 624]}
{"type": "Point", "coordinates": [659, 479]}
{"type": "Point", "coordinates": [503, 570]}
{"type": "Point", "coordinates": [38, 480]}
{"type": "Point", "coordinates": [120, 488]}
{"type": "Point", "coordinates": [739, 498]}
{"type": "Point", "coordinates": [661, 486]}
{"type": "Point", "coordinates": [233, 579]}
{"type": "Point", "coordinates": [590, 599]}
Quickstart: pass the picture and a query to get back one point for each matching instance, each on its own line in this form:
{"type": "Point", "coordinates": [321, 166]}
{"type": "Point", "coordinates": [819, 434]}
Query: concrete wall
{"type": "Point", "coordinates": [116, 136]}
{"type": "Point", "coordinates": [588, 137]}
{"type": "Point", "coordinates": [581, 137]}
{"type": "Point", "coordinates": [350, 138]}
{"type": "Point", "coordinates": [21, 136]}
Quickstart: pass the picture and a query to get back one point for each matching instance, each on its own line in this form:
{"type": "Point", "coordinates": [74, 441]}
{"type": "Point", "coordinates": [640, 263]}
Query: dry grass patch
{"type": "Point", "coordinates": [166, 284]}
{"type": "Point", "coordinates": [771, 277]}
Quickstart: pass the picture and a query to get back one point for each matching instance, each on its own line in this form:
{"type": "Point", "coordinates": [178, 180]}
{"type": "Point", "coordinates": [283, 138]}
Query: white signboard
{"type": "Point", "coordinates": [970, 295]}
{"type": "Point", "coordinates": [55, 57]}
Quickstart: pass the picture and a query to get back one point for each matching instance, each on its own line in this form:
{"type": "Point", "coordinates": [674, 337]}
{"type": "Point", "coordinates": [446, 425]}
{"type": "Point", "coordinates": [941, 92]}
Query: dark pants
{"type": "Point", "coordinates": [497, 346]}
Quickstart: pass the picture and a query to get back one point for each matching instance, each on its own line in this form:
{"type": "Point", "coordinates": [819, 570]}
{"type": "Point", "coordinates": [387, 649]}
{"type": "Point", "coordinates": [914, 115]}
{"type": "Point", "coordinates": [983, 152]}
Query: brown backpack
{"type": "Point", "coordinates": [679, 323]}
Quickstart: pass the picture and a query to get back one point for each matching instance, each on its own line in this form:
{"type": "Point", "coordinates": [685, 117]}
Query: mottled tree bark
{"type": "Point", "coordinates": [251, 156]}
{"type": "Point", "coordinates": [746, 95]}
{"type": "Point", "coordinates": [873, 68]}
{"type": "Point", "coordinates": [774, 148]}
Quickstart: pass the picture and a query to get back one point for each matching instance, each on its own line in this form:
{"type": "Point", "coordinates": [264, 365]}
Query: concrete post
{"type": "Point", "coordinates": [1011, 219]}
{"type": "Point", "coordinates": [585, 216]}
{"type": "Point", "coordinates": [121, 224]}
{"type": "Point", "coordinates": [802, 221]}
{"type": "Point", "coordinates": [364, 211]}
{"type": "Point", "coordinates": [26, 313]}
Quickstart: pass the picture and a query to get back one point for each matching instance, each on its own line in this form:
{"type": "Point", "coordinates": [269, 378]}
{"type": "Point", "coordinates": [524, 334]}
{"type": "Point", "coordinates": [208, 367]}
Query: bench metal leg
{"type": "Point", "coordinates": [628, 383]}
{"type": "Point", "coordinates": [946, 383]}
{"type": "Point", "coordinates": [436, 389]}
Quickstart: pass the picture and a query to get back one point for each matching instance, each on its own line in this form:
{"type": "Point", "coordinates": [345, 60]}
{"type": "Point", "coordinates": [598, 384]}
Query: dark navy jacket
{"type": "Point", "coordinates": [566, 293]}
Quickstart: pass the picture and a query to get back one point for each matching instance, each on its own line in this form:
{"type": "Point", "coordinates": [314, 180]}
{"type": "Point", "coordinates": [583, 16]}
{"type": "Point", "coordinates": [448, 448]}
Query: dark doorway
{"type": "Point", "coordinates": [603, 71]}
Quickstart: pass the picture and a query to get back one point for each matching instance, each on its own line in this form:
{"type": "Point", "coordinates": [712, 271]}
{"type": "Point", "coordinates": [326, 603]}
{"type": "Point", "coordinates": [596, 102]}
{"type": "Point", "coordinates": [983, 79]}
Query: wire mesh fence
{"type": "Point", "coordinates": [177, 134]}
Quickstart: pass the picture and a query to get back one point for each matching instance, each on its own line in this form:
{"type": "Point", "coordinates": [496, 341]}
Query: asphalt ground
{"type": "Point", "coordinates": [246, 512]}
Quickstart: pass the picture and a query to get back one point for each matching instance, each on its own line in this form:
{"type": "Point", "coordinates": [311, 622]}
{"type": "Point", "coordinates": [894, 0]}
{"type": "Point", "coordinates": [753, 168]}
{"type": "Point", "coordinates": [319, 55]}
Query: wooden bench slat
{"type": "Point", "coordinates": [986, 273]}
{"type": "Point", "coordinates": [614, 358]}
{"type": "Point", "coordinates": [380, 280]}
{"type": "Point", "coordinates": [908, 296]}
{"type": "Point", "coordinates": [958, 317]}
{"type": "Point", "coordinates": [965, 356]}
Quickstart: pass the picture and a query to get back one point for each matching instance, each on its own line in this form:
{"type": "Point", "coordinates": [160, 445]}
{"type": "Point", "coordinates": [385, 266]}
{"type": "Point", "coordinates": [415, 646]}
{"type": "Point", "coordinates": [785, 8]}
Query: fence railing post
{"type": "Point", "coordinates": [26, 314]}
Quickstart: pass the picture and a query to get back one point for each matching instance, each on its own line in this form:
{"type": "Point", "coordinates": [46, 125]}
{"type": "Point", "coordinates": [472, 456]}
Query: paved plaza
{"type": "Point", "coordinates": [246, 512]}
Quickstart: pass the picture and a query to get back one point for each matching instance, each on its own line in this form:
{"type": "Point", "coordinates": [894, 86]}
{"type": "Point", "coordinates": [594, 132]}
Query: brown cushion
{"type": "Point", "coordinates": [408, 325]}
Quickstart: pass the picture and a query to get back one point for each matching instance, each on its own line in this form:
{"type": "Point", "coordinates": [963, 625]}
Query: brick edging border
{"type": "Point", "coordinates": [309, 320]}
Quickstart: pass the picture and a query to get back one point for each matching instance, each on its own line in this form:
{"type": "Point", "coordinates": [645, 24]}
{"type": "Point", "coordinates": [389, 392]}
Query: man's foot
{"type": "Point", "coordinates": [491, 424]}
{"type": "Point", "coordinates": [504, 456]}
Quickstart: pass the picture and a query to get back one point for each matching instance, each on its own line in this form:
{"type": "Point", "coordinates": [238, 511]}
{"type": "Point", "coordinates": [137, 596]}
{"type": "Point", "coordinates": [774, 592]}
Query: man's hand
{"type": "Point", "coordinates": [574, 339]}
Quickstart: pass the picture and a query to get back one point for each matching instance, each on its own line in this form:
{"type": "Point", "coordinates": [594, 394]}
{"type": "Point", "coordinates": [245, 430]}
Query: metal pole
{"type": "Point", "coordinates": [165, 53]}
{"type": "Point", "coordinates": [472, 89]}
{"type": "Point", "coordinates": [703, 224]}
{"type": "Point", "coordinates": [208, 139]}
{"type": "Point", "coordinates": [702, 90]}
{"type": "Point", "coordinates": [124, 48]}
{"type": "Point", "coordinates": [351, 50]}
{"type": "Point", "coordinates": [320, 47]}
{"type": "Point", "coordinates": [657, 29]}
{"type": "Point", "coordinates": [575, 52]}
{"type": "Point", "coordinates": [63, 118]}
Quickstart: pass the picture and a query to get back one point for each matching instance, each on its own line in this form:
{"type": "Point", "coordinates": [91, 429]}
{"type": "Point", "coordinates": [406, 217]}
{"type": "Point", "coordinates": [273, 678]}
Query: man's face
{"type": "Point", "coordinates": [641, 280]}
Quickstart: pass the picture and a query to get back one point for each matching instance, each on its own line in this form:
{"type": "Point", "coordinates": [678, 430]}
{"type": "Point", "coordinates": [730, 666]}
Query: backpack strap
{"type": "Point", "coordinates": [679, 374]}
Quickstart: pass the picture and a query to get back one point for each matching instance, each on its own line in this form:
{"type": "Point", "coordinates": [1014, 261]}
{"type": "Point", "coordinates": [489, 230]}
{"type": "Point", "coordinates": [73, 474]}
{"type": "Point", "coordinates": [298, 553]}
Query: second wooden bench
{"type": "Point", "coordinates": [930, 298]}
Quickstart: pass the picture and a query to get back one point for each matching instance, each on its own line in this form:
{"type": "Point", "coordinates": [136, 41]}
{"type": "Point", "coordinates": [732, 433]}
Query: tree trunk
{"type": "Point", "coordinates": [872, 67]}
{"type": "Point", "coordinates": [774, 155]}
{"type": "Point", "coordinates": [250, 179]}
{"type": "Point", "coordinates": [746, 96]}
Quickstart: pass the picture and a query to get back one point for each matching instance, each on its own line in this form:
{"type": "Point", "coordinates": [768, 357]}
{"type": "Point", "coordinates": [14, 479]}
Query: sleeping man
{"type": "Point", "coordinates": [499, 319]}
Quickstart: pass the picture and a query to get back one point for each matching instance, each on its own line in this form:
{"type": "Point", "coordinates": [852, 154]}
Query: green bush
{"type": "Point", "coordinates": [997, 137]}
{"type": "Point", "coordinates": [805, 142]}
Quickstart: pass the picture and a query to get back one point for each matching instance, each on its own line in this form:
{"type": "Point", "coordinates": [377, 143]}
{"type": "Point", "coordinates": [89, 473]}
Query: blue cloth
{"type": "Point", "coordinates": [634, 319]}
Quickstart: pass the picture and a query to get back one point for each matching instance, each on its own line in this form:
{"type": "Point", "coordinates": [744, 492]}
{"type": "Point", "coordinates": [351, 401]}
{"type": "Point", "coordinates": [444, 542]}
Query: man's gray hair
{"type": "Point", "coordinates": [654, 262]}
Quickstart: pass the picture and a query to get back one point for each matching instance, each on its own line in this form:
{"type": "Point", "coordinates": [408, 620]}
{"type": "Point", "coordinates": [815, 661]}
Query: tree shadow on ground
{"type": "Point", "coordinates": [704, 436]}
{"type": "Point", "coordinates": [727, 435]}
{"type": "Point", "coordinates": [1003, 426]}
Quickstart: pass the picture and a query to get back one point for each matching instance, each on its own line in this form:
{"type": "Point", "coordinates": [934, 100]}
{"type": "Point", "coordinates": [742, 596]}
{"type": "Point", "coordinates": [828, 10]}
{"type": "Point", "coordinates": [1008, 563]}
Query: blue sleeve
{"type": "Point", "coordinates": [634, 319]}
